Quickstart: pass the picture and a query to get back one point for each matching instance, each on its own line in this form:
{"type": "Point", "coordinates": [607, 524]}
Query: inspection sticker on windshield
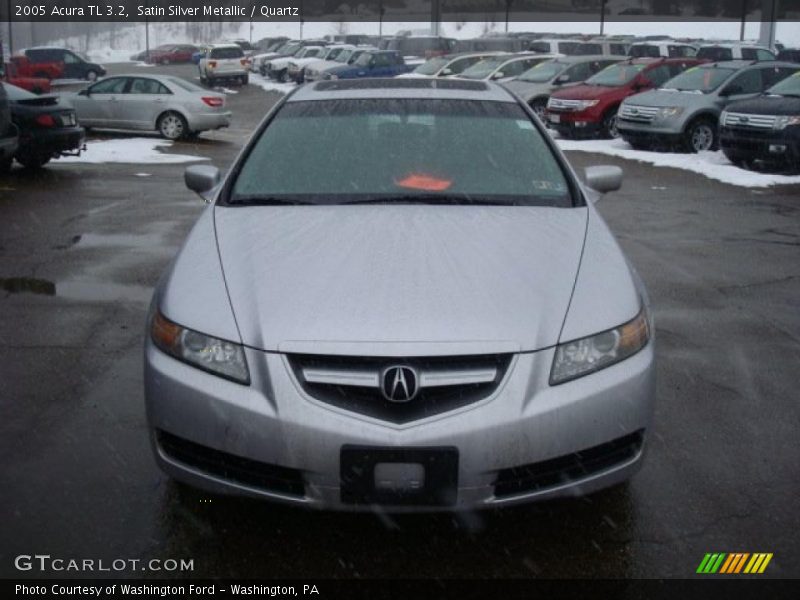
{"type": "Point", "coordinates": [524, 124]}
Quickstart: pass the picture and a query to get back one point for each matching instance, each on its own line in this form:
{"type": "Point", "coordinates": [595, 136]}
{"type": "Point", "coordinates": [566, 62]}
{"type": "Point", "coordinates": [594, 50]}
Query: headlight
{"type": "Point", "coordinates": [584, 104]}
{"type": "Point", "coordinates": [669, 112]}
{"type": "Point", "coordinates": [785, 121]}
{"type": "Point", "coordinates": [587, 355]}
{"type": "Point", "coordinates": [203, 351]}
{"type": "Point", "coordinates": [333, 77]}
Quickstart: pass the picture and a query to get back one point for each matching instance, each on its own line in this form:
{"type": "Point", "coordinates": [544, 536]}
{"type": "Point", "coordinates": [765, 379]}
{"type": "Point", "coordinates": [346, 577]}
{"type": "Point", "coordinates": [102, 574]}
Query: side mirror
{"type": "Point", "coordinates": [201, 179]}
{"type": "Point", "coordinates": [562, 78]}
{"type": "Point", "coordinates": [498, 75]}
{"type": "Point", "coordinates": [603, 179]}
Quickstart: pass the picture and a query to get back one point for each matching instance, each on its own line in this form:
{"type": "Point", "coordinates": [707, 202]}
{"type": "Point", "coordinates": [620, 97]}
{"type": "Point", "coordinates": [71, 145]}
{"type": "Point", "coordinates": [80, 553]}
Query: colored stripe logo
{"type": "Point", "coordinates": [734, 563]}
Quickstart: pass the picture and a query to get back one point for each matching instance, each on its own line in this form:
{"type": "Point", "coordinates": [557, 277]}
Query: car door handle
{"type": "Point", "coordinates": [159, 100]}
{"type": "Point", "coordinates": [113, 99]}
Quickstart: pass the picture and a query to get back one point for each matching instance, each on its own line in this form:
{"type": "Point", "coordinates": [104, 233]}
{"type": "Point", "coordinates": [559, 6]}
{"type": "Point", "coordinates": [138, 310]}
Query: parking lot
{"type": "Point", "coordinates": [82, 245]}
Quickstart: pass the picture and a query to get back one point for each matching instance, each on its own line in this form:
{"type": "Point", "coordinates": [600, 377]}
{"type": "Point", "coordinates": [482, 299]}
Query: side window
{"type": "Point", "coordinates": [381, 60]}
{"type": "Point", "coordinates": [749, 53]}
{"type": "Point", "coordinates": [513, 69]}
{"type": "Point", "coordinates": [658, 75]}
{"type": "Point", "coordinates": [141, 85]}
{"type": "Point", "coordinates": [70, 58]}
{"type": "Point", "coordinates": [114, 85]}
{"type": "Point", "coordinates": [677, 68]}
{"type": "Point", "coordinates": [764, 54]}
{"type": "Point", "coordinates": [748, 82]}
{"type": "Point", "coordinates": [619, 49]}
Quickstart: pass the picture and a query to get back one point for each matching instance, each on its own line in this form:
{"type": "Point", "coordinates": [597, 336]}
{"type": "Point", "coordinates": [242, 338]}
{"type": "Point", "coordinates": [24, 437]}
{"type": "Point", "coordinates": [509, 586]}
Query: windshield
{"type": "Point", "coordinates": [363, 60]}
{"type": "Point", "coordinates": [401, 150]}
{"type": "Point", "coordinates": [644, 50]}
{"type": "Point", "coordinates": [543, 72]}
{"type": "Point", "coordinates": [482, 69]}
{"type": "Point", "coordinates": [699, 79]}
{"type": "Point", "coordinates": [788, 87]}
{"type": "Point", "coordinates": [615, 75]}
{"type": "Point", "coordinates": [432, 66]}
{"type": "Point", "coordinates": [539, 47]}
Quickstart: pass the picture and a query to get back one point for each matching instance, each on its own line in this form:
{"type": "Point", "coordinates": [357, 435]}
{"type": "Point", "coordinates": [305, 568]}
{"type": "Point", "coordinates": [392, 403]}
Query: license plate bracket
{"type": "Point", "coordinates": [438, 486]}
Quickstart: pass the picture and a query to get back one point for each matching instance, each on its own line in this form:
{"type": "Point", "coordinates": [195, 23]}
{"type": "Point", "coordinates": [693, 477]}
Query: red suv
{"type": "Point", "coordinates": [590, 109]}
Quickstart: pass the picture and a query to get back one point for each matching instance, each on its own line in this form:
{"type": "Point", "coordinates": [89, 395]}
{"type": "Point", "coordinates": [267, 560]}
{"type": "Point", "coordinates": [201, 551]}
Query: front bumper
{"type": "Point", "coordinates": [769, 146]}
{"type": "Point", "coordinates": [198, 420]}
{"type": "Point", "coordinates": [574, 124]}
{"type": "Point", "coordinates": [670, 131]}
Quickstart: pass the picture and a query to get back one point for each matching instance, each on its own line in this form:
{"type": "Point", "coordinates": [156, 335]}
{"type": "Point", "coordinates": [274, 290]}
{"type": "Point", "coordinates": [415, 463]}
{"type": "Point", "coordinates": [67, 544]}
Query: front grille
{"type": "Point", "coordinates": [640, 114]}
{"type": "Point", "coordinates": [444, 382]}
{"type": "Point", "coordinates": [567, 469]}
{"type": "Point", "coordinates": [563, 105]}
{"type": "Point", "coordinates": [747, 121]}
{"type": "Point", "coordinates": [230, 467]}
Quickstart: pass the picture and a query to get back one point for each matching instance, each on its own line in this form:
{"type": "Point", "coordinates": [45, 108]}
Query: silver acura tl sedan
{"type": "Point", "coordinates": [172, 106]}
{"type": "Point", "coordinates": [433, 317]}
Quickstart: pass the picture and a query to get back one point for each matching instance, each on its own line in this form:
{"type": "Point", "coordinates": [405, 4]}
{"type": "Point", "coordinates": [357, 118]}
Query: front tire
{"type": "Point", "coordinates": [539, 106]}
{"type": "Point", "coordinates": [701, 136]}
{"type": "Point", "coordinates": [172, 126]}
{"type": "Point", "coordinates": [610, 130]}
{"type": "Point", "coordinates": [282, 77]}
{"type": "Point", "coordinates": [244, 79]}
{"type": "Point", "coordinates": [32, 161]}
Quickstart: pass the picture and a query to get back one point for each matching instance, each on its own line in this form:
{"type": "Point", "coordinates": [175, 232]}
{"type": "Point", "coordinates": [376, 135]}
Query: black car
{"type": "Point", "coordinates": [764, 130]}
{"type": "Point", "coordinates": [8, 133]}
{"type": "Point", "coordinates": [75, 66]}
{"type": "Point", "coordinates": [46, 129]}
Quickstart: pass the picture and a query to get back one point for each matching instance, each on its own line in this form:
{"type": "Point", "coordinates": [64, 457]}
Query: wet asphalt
{"type": "Point", "coordinates": [82, 245]}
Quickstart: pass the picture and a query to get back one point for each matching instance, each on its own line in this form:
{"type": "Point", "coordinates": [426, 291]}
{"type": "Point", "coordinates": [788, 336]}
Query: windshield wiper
{"type": "Point", "coordinates": [267, 201]}
{"type": "Point", "coordinates": [433, 199]}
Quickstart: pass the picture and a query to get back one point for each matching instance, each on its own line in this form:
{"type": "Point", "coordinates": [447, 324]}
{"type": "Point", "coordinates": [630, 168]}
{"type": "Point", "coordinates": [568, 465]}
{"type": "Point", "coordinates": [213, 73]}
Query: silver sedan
{"type": "Point", "coordinates": [434, 317]}
{"type": "Point", "coordinates": [172, 106]}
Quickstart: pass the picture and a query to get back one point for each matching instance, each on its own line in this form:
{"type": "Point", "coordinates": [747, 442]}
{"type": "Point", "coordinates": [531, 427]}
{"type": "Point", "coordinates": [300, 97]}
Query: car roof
{"type": "Point", "coordinates": [579, 58]}
{"type": "Point", "coordinates": [444, 89]}
{"type": "Point", "coordinates": [230, 45]}
{"type": "Point", "coordinates": [742, 64]}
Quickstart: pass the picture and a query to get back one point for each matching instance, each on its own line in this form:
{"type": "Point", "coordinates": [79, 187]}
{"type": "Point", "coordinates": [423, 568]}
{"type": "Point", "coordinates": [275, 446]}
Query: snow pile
{"type": "Point", "coordinates": [713, 165]}
{"type": "Point", "coordinates": [130, 150]}
{"type": "Point", "coordinates": [269, 85]}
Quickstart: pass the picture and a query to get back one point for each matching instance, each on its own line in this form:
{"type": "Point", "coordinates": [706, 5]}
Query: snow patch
{"type": "Point", "coordinates": [268, 85]}
{"type": "Point", "coordinates": [713, 165]}
{"type": "Point", "coordinates": [132, 151]}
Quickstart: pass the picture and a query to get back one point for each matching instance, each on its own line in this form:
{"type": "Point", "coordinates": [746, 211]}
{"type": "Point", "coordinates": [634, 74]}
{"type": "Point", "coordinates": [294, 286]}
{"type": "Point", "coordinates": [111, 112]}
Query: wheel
{"type": "Point", "coordinates": [539, 106]}
{"type": "Point", "coordinates": [701, 136]}
{"type": "Point", "coordinates": [32, 161]}
{"type": "Point", "coordinates": [91, 76]}
{"type": "Point", "coordinates": [244, 79]}
{"type": "Point", "coordinates": [610, 130]}
{"type": "Point", "coordinates": [282, 76]}
{"type": "Point", "coordinates": [172, 126]}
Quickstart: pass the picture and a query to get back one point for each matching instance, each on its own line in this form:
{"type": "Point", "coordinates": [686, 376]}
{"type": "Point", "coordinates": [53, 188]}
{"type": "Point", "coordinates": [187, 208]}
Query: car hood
{"type": "Point", "coordinates": [661, 98]}
{"type": "Point", "coordinates": [400, 280]}
{"type": "Point", "coordinates": [527, 90]}
{"type": "Point", "coordinates": [769, 105]}
{"type": "Point", "coordinates": [584, 92]}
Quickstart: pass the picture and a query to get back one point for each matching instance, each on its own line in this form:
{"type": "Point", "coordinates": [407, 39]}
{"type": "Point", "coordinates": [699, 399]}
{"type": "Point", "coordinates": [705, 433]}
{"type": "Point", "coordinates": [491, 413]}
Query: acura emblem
{"type": "Point", "coordinates": [399, 383]}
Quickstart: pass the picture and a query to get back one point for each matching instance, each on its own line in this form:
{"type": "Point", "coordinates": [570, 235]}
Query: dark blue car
{"type": "Point", "coordinates": [378, 63]}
